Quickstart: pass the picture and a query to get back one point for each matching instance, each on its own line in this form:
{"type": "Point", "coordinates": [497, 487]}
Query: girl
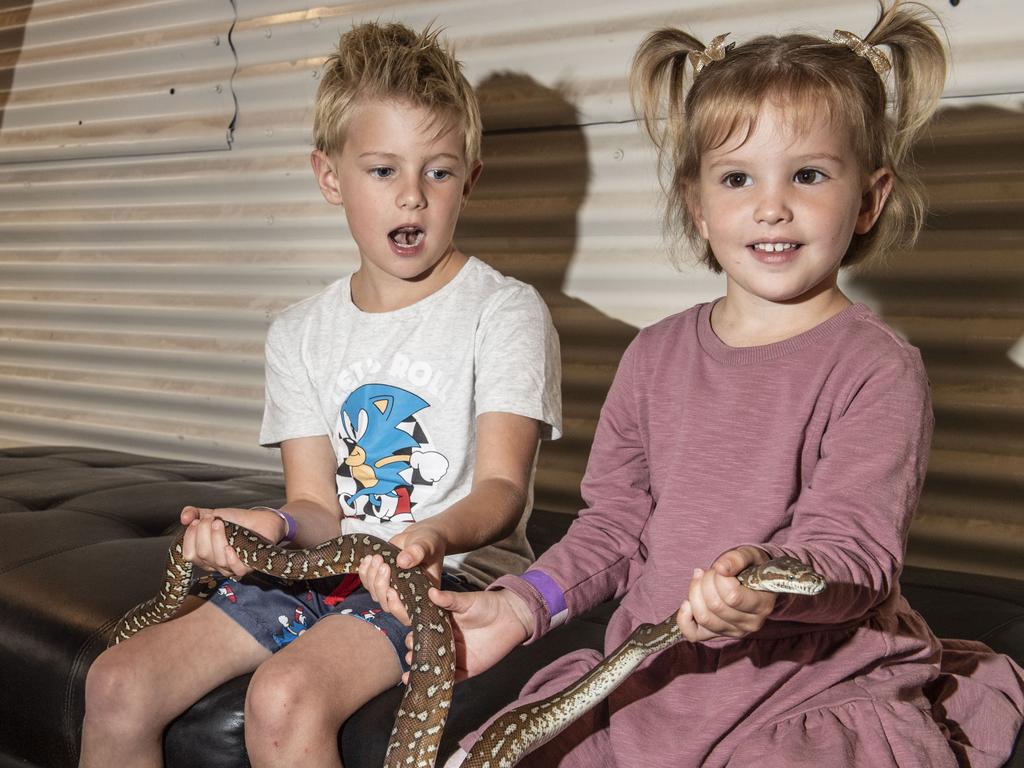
{"type": "Point", "coordinates": [780, 419]}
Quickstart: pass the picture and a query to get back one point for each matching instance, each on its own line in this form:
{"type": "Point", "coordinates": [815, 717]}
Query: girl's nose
{"type": "Point", "coordinates": [772, 208]}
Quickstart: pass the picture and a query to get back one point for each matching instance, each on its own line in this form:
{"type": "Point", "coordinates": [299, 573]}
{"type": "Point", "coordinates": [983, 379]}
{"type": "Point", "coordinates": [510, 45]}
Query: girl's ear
{"type": "Point", "coordinates": [879, 186]}
{"type": "Point", "coordinates": [326, 177]}
{"type": "Point", "coordinates": [691, 197]}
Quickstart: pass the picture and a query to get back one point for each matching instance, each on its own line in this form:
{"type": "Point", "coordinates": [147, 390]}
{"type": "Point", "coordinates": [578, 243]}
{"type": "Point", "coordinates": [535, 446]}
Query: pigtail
{"type": "Point", "coordinates": [659, 80]}
{"type": "Point", "coordinates": [908, 32]}
{"type": "Point", "coordinates": [919, 69]}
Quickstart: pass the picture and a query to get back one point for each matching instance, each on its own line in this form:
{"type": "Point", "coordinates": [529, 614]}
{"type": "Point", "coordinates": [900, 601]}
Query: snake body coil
{"type": "Point", "coordinates": [521, 730]}
{"type": "Point", "coordinates": [424, 709]}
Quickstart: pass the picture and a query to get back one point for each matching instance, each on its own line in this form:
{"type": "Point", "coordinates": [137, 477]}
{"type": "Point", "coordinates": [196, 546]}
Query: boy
{"type": "Point", "coordinates": [408, 400]}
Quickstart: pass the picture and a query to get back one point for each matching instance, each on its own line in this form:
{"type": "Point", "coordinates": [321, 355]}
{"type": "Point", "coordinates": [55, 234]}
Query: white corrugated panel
{"type": "Point", "coordinates": [139, 267]}
{"type": "Point", "coordinates": [95, 78]}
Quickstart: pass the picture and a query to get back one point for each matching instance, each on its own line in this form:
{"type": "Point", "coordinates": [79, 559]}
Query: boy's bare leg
{"type": "Point", "coordinates": [299, 698]}
{"type": "Point", "coordinates": [135, 689]}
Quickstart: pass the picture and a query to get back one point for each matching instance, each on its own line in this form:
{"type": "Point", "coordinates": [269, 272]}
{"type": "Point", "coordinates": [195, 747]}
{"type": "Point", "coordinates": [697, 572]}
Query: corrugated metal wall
{"type": "Point", "coordinates": [156, 208]}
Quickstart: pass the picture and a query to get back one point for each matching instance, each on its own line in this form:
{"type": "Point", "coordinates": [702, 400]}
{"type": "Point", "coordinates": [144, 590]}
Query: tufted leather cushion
{"type": "Point", "coordinates": [82, 536]}
{"type": "Point", "coordinates": [83, 533]}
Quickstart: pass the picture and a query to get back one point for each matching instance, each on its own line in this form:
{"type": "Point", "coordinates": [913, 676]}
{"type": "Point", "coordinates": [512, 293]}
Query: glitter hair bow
{"type": "Point", "coordinates": [714, 51]}
{"type": "Point", "coordinates": [875, 57]}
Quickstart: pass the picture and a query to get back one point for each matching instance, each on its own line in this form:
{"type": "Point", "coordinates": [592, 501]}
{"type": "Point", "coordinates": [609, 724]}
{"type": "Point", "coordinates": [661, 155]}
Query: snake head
{"type": "Point", "coordinates": [785, 575]}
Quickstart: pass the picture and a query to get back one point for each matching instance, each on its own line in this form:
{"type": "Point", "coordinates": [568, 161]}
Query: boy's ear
{"type": "Point", "coordinates": [879, 185]}
{"type": "Point", "coordinates": [471, 179]}
{"type": "Point", "coordinates": [326, 177]}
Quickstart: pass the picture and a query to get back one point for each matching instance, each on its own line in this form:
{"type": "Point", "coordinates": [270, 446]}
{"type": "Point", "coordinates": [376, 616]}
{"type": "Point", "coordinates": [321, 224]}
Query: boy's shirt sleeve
{"type": "Point", "coordinates": [596, 559]}
{"type": "Point", "coordinates": [518, 363]}
{"type": "Point", "coordinates": [290, 406]}
{"type": "Point", "coordinates": [851, 519]}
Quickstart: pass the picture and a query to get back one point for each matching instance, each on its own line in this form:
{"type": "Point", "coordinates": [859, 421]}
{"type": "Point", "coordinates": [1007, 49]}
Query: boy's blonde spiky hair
{"type": "Point", "coordinates": [813, 75]}
{"type": "Point", "coordinates": [390, 62]}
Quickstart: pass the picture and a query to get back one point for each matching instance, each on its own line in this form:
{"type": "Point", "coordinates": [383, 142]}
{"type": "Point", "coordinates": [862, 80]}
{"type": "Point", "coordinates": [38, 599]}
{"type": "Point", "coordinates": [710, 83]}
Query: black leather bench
{"type": "Point", "coordinates": [83, 533]}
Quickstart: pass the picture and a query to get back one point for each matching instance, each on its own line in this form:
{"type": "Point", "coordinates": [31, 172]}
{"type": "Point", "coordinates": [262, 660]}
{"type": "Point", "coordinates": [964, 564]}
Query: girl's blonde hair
{"type": "Point", "coordinates": [703, 111]}
{"type": "Point", "coordinates": [390, 62]}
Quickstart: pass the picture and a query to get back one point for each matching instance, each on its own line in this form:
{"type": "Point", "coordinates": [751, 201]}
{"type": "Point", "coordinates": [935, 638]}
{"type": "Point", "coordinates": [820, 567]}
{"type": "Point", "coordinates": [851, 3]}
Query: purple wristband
{"type": "Point", "coordinates": [553, 596]}
{"type": "Point", "coordinates": [291, 527]}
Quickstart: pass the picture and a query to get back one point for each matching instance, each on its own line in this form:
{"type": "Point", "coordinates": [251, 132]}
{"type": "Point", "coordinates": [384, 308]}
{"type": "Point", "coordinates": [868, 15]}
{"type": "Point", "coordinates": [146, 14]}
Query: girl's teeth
{"type": "Point", "coordinates": [774, 247]}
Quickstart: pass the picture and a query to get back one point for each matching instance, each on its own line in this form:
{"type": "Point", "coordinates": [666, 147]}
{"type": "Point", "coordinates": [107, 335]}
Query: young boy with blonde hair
{"type": "Point", "coordinates": [407, 398]}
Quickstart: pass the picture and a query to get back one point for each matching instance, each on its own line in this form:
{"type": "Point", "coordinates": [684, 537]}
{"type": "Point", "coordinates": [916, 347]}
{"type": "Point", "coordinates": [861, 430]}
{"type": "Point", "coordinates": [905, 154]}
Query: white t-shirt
{"type": "Point", "coordinates": [398, 394]}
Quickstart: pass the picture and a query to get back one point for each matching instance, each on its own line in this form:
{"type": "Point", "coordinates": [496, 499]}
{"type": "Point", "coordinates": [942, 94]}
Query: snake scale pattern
{"type": "Point", "coordinates": [423, 711]}
{"type": "Point", "coordinates": [424, 708]}
{"type": "Point", "coordinates": [521, 730]}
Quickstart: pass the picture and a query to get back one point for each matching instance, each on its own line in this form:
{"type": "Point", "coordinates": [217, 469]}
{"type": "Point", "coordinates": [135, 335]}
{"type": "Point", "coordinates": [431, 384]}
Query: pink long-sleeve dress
{"type": "Point", "coordinates": [813, 447]}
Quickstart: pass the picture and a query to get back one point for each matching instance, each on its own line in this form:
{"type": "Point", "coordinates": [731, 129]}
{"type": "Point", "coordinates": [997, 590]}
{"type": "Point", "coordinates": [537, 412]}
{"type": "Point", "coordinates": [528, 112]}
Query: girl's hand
{"type": "Point", "coordinates": [206, 544]}
{"type": "Point", "coordinates": [487, 625]}
{"type": "Point", "coordinates": [421, 545]}
{"type": "Point", "coordinates": [718, 605]}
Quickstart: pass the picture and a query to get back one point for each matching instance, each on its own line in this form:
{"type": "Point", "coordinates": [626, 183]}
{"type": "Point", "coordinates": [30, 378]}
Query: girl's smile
{"type": "Point", "coordinates": [769, 252]}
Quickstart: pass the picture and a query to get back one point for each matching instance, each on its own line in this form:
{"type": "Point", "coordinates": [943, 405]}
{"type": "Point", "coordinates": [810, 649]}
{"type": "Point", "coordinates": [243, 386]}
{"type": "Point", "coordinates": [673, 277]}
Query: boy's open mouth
{"type": "Point", "coordinates": [407, 237]}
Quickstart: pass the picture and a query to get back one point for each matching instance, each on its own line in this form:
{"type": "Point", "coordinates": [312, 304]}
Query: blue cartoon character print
{"type": "Point", "coordinates": [368, 615]}
{"type": "Point", "coordinates": [290, 629]}
{"type": "Point", "coordinates": [387, 453]}
{"type": "Point", "coordinates": [227, 592]}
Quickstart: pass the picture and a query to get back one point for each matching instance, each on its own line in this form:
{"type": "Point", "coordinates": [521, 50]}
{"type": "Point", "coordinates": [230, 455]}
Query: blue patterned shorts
{"type": "Point", "coordinates": [276, 612]}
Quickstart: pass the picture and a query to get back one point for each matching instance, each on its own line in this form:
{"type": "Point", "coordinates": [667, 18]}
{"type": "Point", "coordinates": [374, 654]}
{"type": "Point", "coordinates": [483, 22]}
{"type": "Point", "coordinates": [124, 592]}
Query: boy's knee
{"type": "Point", "coordinates": [277, 697]}
{"type": "Point", "coordinates": [283, 713]}
{"type": "Point", "coordinates": [286, 706]}
{"type": "Point", "coordinates": [112, 689]}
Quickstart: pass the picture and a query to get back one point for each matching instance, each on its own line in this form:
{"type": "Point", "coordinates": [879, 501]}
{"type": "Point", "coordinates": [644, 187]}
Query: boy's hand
{"type": "Point", "coordinates": [718, 605]}
{"type": "Point", "coordinates": [206, 544]}
{"type": "Point", "coordinates": [487, 625]}
{"type": "Point", "coordinates": [421, 545]}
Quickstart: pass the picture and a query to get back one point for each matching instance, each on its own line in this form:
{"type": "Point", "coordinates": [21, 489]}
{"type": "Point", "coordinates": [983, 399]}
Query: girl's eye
{"type": "Point", "coordinates": [382, 172]}
{"type": "Point", "coordinates": [737, 180]}
{"type": "Point", "coordinates": [439, 174]}
{"type": "Point", "coordinates": [809, 176]}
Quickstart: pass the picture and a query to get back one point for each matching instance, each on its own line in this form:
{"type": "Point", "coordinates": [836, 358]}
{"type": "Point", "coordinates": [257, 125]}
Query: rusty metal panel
{"type": "Point", "coordinates": [139, 268]}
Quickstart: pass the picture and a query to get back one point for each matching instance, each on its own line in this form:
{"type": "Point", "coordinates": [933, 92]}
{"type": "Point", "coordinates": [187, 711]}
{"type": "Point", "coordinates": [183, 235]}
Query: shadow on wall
{"type": "Point", "coordinates": [12, 35]}
{"type": "Point", "coordinates": [959, 297]}
{"type": "Point", "coordinates": [522, 220]}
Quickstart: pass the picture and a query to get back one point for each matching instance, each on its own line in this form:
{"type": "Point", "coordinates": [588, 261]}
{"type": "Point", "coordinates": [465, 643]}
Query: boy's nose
{"type": "Point", "coordinates": [412, 198]}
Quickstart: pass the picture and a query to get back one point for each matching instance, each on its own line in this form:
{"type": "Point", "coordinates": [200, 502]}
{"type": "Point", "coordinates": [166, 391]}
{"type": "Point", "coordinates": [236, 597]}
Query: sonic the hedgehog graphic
{"type": "Point", "coordinates": [385, 452]}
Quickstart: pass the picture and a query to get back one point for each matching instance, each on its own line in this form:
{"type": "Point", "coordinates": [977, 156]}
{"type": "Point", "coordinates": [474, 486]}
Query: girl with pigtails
{"type": "Point", "coordinates": [779, 420]}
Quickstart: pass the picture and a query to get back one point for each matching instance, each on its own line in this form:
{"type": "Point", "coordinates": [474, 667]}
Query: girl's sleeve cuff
{"type": "Point", "coordinates": [543, 597]}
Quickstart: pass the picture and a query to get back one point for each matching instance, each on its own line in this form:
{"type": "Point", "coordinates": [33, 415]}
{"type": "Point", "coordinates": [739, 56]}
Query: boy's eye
{"type": "Point", "coordinates": [439, 174]}
{"type": "Point", "coordinates": [382, 172]}
{"type": "Point", "coordinates": [808, 176]}
{"type": "Point", "coordinates": [737, 180]}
